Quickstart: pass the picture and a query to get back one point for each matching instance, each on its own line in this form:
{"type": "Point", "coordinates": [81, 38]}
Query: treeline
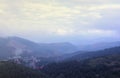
{"type": "Point", "coordinates": [100, 67]}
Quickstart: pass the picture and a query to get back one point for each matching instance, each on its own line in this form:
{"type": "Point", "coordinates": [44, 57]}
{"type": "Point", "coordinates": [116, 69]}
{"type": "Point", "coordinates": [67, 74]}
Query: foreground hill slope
{"type": "Point", "coordinates": [103, 66]}
{"type": "Point", "coordinates": [12, 70]}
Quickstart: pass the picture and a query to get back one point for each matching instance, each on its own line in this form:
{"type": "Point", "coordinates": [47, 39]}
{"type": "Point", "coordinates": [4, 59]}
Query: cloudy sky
{"type": "Point", "coordinates": [76, 21]}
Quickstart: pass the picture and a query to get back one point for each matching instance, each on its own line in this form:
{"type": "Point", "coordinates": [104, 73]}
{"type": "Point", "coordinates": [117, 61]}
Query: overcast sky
{"type": "Point", "coordinates": [76, 21]}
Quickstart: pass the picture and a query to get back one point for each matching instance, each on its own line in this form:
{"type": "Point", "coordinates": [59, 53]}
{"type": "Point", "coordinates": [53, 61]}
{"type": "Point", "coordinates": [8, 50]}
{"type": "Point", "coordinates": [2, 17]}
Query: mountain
{"type": "Point", "coordinates": [61, 48]}
{"type": "Point", "coordinates": [77, 56]}
{"type": "Point", "coordinates": [16, 46]}
{"type": "Point", "coordinates": [5, 50]}
{"type": "Point", "coordinates": [107, 65]}
{"type": "Point", "coordinates": [29, 48]}
{"type": "Point", "coordinates": [82, 55]}
{"type": "Point", "coordinates": [11, 70]}
{"type": "Point", "coordinates": [92, 54]}
{"type": "Point", "coordinates": [38, 62]}
{"type": "Point", "coordinates": [99, 46]}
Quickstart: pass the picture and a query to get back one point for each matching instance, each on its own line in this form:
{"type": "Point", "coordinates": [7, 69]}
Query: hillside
{"type": "Point", "coordinates": [5, 51]}
{"type": "Point", "coordinates": [12, 70]}
{"type": "Point", "coordinates": [16, 46]}
{"type": "Point", "coordinates": [91, 54]}
{"type": "Point", "coordinates": [107, 66]}
{"type": "Point", "coordinates": [76, 56]}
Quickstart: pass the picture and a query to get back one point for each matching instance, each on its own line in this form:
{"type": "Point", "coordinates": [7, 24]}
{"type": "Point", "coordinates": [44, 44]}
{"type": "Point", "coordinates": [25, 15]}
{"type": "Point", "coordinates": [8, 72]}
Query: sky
{"type": "Point", "coordinates": [48, 21]}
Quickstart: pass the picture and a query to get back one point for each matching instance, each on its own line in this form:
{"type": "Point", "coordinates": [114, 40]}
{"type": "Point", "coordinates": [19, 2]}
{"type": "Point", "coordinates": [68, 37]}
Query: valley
{"type": "Point", "coordinates": [23, 63]}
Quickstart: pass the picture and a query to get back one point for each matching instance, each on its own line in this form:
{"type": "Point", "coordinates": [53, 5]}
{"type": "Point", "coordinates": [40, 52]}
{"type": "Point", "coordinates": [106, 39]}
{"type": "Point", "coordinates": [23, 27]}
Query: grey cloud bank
{"type": "Point", "coordinates": [74, 21]}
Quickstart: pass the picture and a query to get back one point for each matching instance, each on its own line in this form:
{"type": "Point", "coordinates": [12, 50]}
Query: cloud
{"type": "Point", "coordinates": [59, 18]}
{"type": "Point", "coordinates": [98, 32]}
{"type": "Point", "coordinates": [89, 2]}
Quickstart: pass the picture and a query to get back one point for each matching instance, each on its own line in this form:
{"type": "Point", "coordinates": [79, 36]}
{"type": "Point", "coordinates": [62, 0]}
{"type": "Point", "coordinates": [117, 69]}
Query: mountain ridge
{"type": "Point", "coordinates": [22, 47]}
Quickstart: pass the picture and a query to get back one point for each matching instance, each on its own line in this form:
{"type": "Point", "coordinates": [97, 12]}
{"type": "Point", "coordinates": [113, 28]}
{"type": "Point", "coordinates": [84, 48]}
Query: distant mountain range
{"type": "Point", "coordinates": [99, 46]}
{"type": "Point", "coordinates": [37, 61]}
{"type": "Point", "coordinates": [16, 46]}
{"type": "Point", "coordinates": [61, 48]}
{"type": "Point", "coordinates": [99, 64]}
{"type": "Point", "coordinates": [82, 56]}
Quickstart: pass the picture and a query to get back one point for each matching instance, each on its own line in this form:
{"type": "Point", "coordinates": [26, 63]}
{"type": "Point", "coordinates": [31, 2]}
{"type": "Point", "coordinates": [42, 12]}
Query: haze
{"type": "Point", "coordinates": [47, 21]}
